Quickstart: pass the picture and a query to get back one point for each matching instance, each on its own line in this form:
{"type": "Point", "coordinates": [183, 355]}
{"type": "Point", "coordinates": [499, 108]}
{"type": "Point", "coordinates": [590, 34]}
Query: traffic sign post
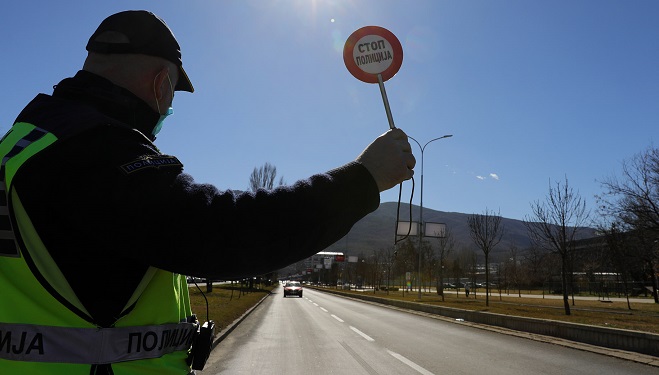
{"type": "Point", "coordinates": [387, 109]}
{"type": "Point", "coordinates": [373, 54]}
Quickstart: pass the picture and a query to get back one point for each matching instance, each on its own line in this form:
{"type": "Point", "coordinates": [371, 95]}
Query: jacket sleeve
{"type": "Point", "coordinates": [205, 232]}
{"type": "Point", "coordinates": [93, 201]}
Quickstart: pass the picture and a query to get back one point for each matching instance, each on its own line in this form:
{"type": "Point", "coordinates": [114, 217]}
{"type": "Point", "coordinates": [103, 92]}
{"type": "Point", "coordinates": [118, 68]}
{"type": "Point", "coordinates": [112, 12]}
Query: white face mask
{"type": "Point", "coordinates": [170, 110]}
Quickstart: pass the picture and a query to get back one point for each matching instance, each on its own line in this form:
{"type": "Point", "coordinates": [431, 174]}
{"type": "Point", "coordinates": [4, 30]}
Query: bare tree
{"type": "Point", "coordinates": [264, 177]}
{"type": "Point", "coordinates": [446, 245]}
{"type": "Point", "coordinates": [388, 256]}
{"type": "Point", "coordinates": [376, 269]}
{"type": "Point", "coordinates": [457, 273]}
{"type": "Point", "coordinates": [473, 271]}
{"type": "Point", "coordinates": [535, 266]}
{"type": "Point", "coordinates": [513, 269]}
{"type": "Point", "coordinates": [634, 198]}
{"type": "Point", "coordinates": [632, 202]}
{"type": "Point", "coordinates": [407, 257]}
{"type": "Point", "coordinates": [555, 224]}
{"type": "Point", "coordinates": [428, 262]}
{"type": "Point", "coordinates": [617, 253]}
{"type": "Point", "coordinates": [486, 231]}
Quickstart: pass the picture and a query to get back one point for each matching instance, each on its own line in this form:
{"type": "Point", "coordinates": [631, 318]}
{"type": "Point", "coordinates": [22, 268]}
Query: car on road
{"type": "Point", "coordinates": [293, 288]}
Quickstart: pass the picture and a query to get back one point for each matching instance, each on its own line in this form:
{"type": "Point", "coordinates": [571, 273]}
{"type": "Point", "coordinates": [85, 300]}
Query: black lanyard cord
{"type": "Point", "coordinates": [205, 299]}
{"type": "Point", "coordinates": [409, 229]}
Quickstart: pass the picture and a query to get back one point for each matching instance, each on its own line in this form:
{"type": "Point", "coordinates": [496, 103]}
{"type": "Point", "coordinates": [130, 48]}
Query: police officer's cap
{"type": "Point", "coordinates": [139, 32]}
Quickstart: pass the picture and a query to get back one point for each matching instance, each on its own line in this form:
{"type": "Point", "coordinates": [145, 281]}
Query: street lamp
{"type": "Point", "coordinates": [421, 205]}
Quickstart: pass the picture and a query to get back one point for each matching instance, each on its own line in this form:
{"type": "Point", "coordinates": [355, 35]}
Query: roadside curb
{"type": "Point", "coordinates": [436, 314]}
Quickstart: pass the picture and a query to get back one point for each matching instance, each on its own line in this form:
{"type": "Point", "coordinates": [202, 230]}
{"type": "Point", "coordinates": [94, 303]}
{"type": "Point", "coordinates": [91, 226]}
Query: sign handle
{"type": "Point", "coordinates": [387, 109]}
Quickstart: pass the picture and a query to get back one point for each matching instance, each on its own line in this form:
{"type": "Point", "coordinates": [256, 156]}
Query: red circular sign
{"type": "Point", "coordinates": [370, 51]}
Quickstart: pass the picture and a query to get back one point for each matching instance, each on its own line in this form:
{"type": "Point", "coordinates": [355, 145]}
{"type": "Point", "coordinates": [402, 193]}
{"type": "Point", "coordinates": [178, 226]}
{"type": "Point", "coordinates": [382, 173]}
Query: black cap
{"type": "Point", "coordinates": [140, 32]}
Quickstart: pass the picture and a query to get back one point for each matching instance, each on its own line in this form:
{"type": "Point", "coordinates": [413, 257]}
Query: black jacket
{"type": "Point", "coordinates": [105, 215]}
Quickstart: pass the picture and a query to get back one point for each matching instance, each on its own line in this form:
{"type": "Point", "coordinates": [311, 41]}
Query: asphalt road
{"type": "Point", "coordinates": [325, 334]}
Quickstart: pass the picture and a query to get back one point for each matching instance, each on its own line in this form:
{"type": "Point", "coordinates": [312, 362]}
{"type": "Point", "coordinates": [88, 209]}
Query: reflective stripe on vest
{"type": "Point", "coordinates": [19, 138]}
{"type": "Point", "coordinates": [33, 343]}
{"type": "Point", "coordinates": [8, 245]}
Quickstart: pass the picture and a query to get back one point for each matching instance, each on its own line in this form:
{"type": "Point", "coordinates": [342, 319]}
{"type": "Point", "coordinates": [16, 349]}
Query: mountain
{"type": "Point", "coordinates": [377, 230]}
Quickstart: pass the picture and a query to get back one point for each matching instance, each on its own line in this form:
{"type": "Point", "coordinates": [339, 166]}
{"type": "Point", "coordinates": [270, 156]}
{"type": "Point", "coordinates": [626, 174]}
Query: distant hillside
{"type": "Point", "coordinates": [376, 231]}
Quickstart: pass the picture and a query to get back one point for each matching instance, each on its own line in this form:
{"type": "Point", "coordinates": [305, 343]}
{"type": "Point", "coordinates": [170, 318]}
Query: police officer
{"type": "Point", "coordinates": [97, 225]}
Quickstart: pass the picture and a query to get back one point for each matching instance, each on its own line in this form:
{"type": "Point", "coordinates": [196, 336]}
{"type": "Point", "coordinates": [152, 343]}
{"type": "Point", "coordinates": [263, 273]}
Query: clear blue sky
{"type": "Point", "coordinates": [530, 90]}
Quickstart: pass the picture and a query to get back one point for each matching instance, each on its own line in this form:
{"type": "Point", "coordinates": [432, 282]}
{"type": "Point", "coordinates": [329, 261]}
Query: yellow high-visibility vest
{"type": "Point", "coordinates": [45, 329]}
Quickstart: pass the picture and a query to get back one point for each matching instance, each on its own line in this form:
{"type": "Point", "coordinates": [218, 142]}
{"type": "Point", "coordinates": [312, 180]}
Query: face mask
{"type": "Point", "coordinates": [162, 118]}
{"type": "Point", "coordinates": [170, 110]}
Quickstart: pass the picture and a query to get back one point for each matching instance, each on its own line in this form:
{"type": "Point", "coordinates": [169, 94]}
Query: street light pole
{"type": "Point", "coordinates": [423, 148]}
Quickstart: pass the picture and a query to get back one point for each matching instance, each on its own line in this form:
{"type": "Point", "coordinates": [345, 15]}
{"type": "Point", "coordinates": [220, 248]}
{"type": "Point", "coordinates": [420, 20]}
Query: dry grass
{"type": "Point", "coordinates": [642, 317]}
{"type": "Point", "coordinates": [225, 303]}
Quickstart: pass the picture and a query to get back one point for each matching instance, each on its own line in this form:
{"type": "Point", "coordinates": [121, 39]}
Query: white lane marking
{"type": "Point", "coordinates": [337, 318]}
{"type": "Point", "coordinates": [315, 304]}
{"type": "Point", "coordinates": [362, 334]}
{"type": "Point", "coordinates": [324, 309]}
{"type": "Point", "coordinates": [413, 365]}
